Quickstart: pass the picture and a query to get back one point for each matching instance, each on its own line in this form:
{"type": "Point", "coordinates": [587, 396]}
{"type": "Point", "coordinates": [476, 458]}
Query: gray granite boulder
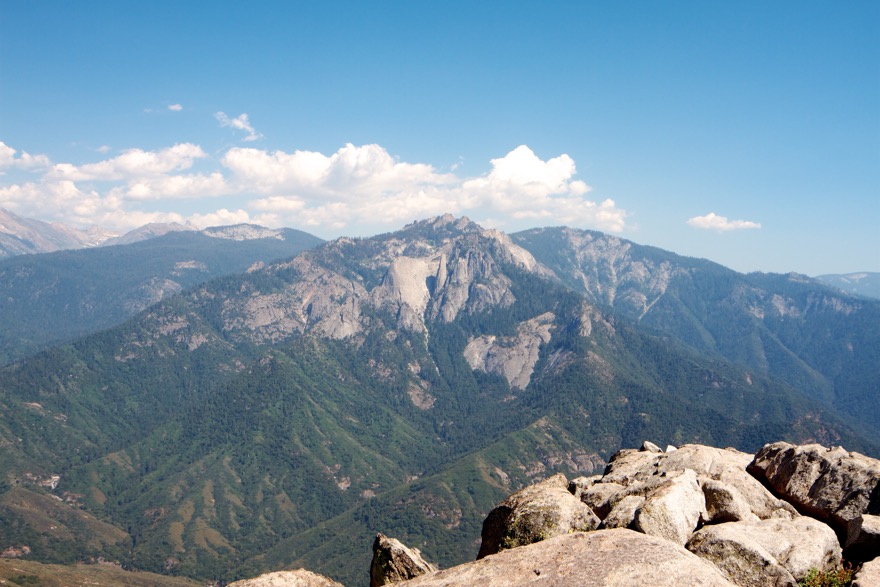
{"type": "Point", "coordinates": [393, 561]}
{"type": "Point", "coordinates": [868, 575]}
{"type": "Point", "coordinates": [298, 578]}
{"type": "Point", "coordinates": [608, 558]}
{"type": "Point", "coordinates": [768, 552]}
{"type": "Point", "coordinates": [830, 484]}
{"type": "Point", "coordinates": [673, 510]}
{"type": "Point", "coordinates": [535, 513]}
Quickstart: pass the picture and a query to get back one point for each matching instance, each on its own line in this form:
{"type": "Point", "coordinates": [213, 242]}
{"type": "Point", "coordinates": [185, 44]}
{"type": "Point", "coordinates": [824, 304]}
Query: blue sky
{"type": "Point", "coordinates": [744, 132]}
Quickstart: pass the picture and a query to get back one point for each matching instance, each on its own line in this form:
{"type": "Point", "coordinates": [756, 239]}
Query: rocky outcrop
{"type": "Point", "coordinates": [673, 509]}
{"type": "Point", "coordinates": [768, 552]}
{"type": "Point", "coordinates": [533, 514]}
{"type": "Point", "coordinates": [727, 465]}
{"type": "Point", "coordinates": [512, 357]}
{"type": "Point", "coordinates": [691, 515]}
{"type": "Point", "coordinates": [831, 484]}
{"type": "Point", "coordinates": [592, 559]}
{"type": "Point", "coordinates": [298, 578]}
{"type": "Point", "coordinates": [693, 495]}
{"type": "Point", "coordinates": [393, 561]}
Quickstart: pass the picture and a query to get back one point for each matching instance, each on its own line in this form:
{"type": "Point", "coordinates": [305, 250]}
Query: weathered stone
{"type": "Point", "coordinates": [724, 503]}
{"type": "Point", "coordinates": [828, 483]}
{"type": "Point", "coordinates": [577, 485]}
{"type": "Point", "coordinates": [535, 513]}
{"type": "Point", "coordinates": [673, 510]}
{"type": "Point", "coordinates": [868, 575]}
{"type": "Point", "coordinates": [511, 357]}
{"type": "Point", "coordinates": [298, 578]}
{"type": "Point", "coordinates": [649, 446]}
{"type": "Point", "coordinates": [863, 538]}
{"type": "Point", "coordinates": [623, 513]}
{"type": "Point", "coordinates": [628, 467]}
{"type": "Point", "coordinates": [393, 562]}
{"type": "Point", "coordinates": [670, 448]}
{"type": "Point", "coordinates": [768, 552]}
{"type": "Point", "coordinates": [598, 497]}
{"type": "Point", "coordinates": [609, 558]}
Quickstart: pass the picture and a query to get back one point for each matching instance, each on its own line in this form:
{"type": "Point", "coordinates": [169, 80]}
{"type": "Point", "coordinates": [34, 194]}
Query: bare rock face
{"type": "Point", "coordinates": [831, 484]}
{"type": "Point", "coordinates": [514, 357]}
{"type": "Point", "coordinates": [298, 578]}
{"type": "Point", "coordinates": [768, 552]}
{"type": "Point", "coordinates": [393, 562]}
{"type": "Point", "coordinates": [673, 510]}
{"type": "Point", "coordinates": [535, 513]}
{"type": "Point", "coordinates": [594, 559]}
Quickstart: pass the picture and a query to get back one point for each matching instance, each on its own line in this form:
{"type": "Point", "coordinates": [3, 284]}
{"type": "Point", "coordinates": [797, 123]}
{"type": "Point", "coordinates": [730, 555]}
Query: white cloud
{"type": "Point", "coordinates": [712, 221]}
{"type": "Point", "coordinates": [522, 186]}
{"type": "Point", "coordinates": [11, 158]}
{"type": "Point", "coordinates": [174, 186]}
{"type": "Point", "coordinates": [367, 185]}
{"type": "Point", "coordinates": [175, 107]}
{"type": "Point", "coordinates": [356, 190]}
{"type": "Point", "coordinates": [239, 123]}
{"type": "Point", "coordinates": [134, 163]}
{"type": "Point", "coordinates": [104, 149]}
{"type": "Point", "coordinates": [221, 217]}
{"type": "Point", "coordinates": [349, 174]}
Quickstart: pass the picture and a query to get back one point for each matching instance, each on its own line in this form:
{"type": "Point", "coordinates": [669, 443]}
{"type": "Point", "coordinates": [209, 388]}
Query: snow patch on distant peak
{"type": "Point", "coordinates": [243, 232]}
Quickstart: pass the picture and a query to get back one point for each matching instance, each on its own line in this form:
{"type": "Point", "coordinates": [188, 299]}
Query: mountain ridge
{"type": "Point", "coordinates": [304, 398]}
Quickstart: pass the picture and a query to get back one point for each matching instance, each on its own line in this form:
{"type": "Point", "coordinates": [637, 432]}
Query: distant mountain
{"type": "Point", "coordinates": [22, 236]}
{"type": "Point", "coordinates": [817, 339]}
{"type": "Point", "coordinates": [404, 382]}
{"type": "Point", "coordinates": [55, 297]}
{"type": "Point", "coordinates": [146, 232]}
{"type": "Point", "coordinates": [863, 283]}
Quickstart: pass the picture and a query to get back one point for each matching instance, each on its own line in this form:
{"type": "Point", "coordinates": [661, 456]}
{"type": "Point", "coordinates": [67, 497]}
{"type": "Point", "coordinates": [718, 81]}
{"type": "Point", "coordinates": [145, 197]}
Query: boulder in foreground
{"type": "Point", "coordinates": [768, 552]}
{"type": "Point", "coordinates": [298, 578]}
{"type": "Point", "coordinates": [593, 559]}
{"type": "Point", "coordinates": [830, 484]}
{"type": "Point", "coordinates": [393, 561]}
{"type": "Point", "coordinates": [535, 513]}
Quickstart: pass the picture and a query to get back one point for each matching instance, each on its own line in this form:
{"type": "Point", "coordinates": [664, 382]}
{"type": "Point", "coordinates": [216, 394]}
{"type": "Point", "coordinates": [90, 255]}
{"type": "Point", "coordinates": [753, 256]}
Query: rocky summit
{"type": "Point", "coordinates": [688, 516]}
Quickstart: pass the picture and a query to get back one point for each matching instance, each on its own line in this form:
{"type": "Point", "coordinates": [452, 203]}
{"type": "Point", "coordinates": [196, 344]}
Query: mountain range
{"type": "Point", "coordinates": [404, 383]}
{"type": "Point", "coordinates": [864, 283]}
{"type": "Point", "coordinates": [55, 297]}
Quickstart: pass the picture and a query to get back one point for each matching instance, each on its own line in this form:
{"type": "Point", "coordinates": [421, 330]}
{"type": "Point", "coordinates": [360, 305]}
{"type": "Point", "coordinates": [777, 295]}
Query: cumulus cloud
{"type": "Point", "coordinates": [350, 173]}
{"type": "Point", "coordinates": [367, 183]}
{"type": "Point", "coordinates": [222, 217]}
{"type": "Point", "coordinates": [11, 158]}
{"type": "Point", "coordinates": [355, 190]}
{"type": "Point", "coordinates": [522, 186]}
{"type": "Point", "coordinates": [134, 163]}
{"type": "Point", "coordinates": [173, 186]}
{"type": "Point", "coordinates": [712, 221]}
{"type": "Point", "coordinates": [175, 107]}
{"type": "Point", "coordinates": [241, 122]}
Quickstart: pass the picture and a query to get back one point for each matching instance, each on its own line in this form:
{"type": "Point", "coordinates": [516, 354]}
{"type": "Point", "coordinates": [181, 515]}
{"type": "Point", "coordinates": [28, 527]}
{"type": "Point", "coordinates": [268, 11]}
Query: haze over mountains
{"type": "Point", "coordinates": [283, 412]}
{"type": "Point", "coordinates": [49, 298]}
